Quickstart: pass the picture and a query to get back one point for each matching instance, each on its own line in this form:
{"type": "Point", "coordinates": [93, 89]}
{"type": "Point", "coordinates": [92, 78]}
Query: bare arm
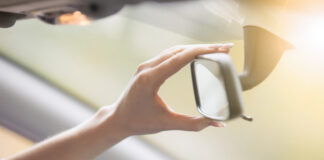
{"type": "Point", "coordinates": [139, 110]}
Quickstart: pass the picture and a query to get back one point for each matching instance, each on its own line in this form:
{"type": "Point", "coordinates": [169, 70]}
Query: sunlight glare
{"type": "Point", "coordinates": [313, 35]}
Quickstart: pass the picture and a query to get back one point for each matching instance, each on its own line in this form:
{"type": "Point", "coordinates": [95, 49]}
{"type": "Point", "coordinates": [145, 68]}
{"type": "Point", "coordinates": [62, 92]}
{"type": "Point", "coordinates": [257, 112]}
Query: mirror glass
{"type": "Point", "coordinates": [213, 102]}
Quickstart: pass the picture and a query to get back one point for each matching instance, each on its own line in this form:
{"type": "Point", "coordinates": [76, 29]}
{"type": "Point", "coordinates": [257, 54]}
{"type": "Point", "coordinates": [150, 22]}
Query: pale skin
{"type": "Point", "coordinates": [139, 110]}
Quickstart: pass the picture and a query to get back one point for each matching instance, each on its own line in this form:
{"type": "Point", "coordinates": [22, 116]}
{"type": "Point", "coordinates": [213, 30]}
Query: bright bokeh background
{"type": "Point", "coordinates": [95, 62]}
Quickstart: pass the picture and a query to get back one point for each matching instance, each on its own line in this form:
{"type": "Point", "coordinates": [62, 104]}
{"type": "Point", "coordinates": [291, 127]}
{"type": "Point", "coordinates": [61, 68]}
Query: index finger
{"type": "Point", "coordinates": [172, 65]}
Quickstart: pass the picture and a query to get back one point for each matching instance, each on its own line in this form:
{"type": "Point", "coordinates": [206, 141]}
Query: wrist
{"type": "Point", "coordinates": [100, 132]}
{"type": "Point", "coordinates": [108, 123]}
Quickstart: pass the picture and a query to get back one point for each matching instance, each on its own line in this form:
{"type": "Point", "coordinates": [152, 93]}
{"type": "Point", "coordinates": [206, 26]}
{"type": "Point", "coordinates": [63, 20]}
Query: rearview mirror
{"type": "Point", "coordinates": [217, 87]}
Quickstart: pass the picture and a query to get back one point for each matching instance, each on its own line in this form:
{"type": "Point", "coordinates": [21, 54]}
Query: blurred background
{"type": "Point", "coordinates": [94, 63]}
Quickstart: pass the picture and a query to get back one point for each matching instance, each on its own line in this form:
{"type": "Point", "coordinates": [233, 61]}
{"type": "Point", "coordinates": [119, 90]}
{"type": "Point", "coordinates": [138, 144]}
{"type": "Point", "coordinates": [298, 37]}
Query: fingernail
{"type": "Point", "coordinates": [215, 46]}
{"type": "Point", "coordinates": [229, 45]}
{"type": "Point", "coordinates": [222, 124]}
{"type": "Point", "coordinates": [218, 124]}
{"type": "Point", "coordinates": [222, 49]}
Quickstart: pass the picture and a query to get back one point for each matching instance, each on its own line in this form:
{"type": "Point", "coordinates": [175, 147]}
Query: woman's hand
{"type": "Point", "coordinates": [140, 110]}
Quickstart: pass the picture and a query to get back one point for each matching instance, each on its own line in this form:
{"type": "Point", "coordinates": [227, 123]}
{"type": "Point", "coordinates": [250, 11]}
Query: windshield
{"type": "Point", "coordinates": [95, 62]}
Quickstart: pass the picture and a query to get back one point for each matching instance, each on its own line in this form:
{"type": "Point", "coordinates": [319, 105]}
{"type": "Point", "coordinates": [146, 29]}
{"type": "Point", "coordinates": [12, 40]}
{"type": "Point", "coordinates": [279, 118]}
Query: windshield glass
{"type": "Point", "coordinates": [95, 62]}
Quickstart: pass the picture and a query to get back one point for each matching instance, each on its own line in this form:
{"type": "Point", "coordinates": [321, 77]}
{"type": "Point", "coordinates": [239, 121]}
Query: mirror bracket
{"type": "Point", "coordinates": [263, 51]}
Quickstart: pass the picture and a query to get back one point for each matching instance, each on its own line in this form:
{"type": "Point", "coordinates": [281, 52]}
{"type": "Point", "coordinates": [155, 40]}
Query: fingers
{"type": "Point", "coordinates": [172, 65]}
{"type": "Point", "coordinates": [192, 123]}
{"type": "Point", "coordinates": [166, 54]}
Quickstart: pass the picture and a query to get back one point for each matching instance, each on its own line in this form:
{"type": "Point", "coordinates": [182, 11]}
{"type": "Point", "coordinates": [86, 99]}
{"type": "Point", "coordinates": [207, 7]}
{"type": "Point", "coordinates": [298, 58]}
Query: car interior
{"type": "Point", "coordinates": [61, 60]}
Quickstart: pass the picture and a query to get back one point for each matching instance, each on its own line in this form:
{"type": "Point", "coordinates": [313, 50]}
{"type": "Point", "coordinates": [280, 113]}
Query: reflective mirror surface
{"type": "Point", "coordinates": [212, 97]}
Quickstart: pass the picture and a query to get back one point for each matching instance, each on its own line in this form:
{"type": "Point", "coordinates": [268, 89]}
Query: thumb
{"type": "Point", "coordinates": [193, 123]}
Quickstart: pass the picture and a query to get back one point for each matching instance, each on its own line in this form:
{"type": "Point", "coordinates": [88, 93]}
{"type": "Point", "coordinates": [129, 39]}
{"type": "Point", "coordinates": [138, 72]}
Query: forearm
{"type": "Point", "coordinates": [82, 142]}
{"type": "Point", "coordinates": [140, 110]}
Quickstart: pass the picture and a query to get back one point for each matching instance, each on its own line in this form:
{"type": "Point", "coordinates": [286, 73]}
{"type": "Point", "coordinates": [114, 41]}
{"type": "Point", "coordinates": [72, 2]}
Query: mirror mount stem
{"type": "Point", "coordinates": [263, 51]}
